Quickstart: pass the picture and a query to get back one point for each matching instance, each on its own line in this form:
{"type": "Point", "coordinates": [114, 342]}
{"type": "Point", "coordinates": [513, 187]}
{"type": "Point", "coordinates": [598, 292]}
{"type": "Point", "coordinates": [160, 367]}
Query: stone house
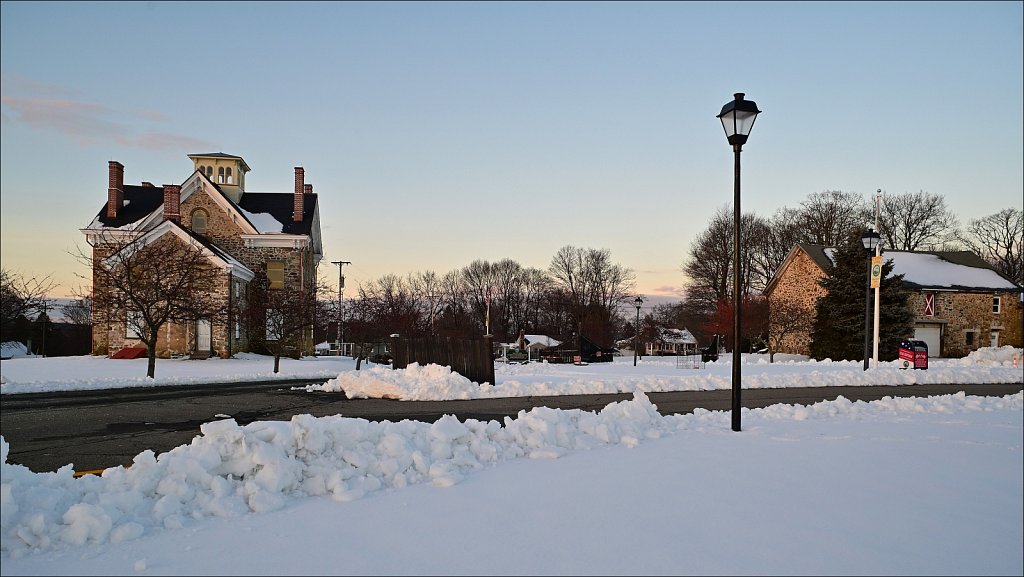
{"type": "Point", "coordinates": [241, 233]}
{"type": "Point", "coordinates": [960, 303]}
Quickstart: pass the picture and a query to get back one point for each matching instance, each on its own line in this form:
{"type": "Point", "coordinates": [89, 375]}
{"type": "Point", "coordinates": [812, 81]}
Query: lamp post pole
{"type": "Point", "coordinates": [737, 119]}
{"type": "Point", "coordinates": [636, 334]}
{"type": "Point", "coordinates": [878, 286]}
{"type": "Point", "coordinates": [871, 241]}
{"type": "Point", "coordinates": [341, 290]}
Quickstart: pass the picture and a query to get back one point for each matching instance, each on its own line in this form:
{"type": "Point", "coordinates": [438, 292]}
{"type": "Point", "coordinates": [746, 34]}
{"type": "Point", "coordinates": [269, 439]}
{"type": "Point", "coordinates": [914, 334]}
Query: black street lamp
{"type": "Point", "coordinates": [870, 238]}
{"type": "Point", "coordinates": [737, 119]}
{"type": "Point", "coordinates": [636, 335]}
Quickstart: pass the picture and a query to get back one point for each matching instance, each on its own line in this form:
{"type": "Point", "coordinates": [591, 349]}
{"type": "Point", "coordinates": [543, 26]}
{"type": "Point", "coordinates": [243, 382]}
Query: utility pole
{"type": "Point", "coordinates": [341, 290]}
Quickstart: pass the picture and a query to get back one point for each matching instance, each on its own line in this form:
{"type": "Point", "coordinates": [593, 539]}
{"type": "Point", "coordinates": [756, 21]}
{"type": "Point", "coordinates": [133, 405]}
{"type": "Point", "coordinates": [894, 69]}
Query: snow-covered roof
{"type": "Point", "coordinates": [537, 342]}
{"type": "Point", "coordinates": [937, 270]}
{"type": "Point", "coordinates": [930, 270]}
{"type": "Point", "coordinates": [681, 336]}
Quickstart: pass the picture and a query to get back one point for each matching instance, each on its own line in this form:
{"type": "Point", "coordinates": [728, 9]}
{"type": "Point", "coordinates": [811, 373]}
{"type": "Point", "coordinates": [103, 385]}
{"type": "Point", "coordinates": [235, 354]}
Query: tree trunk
{"type": "Point", "coordinates": [277, 360]}
{"type": "Point", "coordinates": [151, 355]}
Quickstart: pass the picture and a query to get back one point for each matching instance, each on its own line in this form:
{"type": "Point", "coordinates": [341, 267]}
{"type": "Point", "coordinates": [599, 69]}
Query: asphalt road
{"type": "Point", "coordinates": [98, 429]}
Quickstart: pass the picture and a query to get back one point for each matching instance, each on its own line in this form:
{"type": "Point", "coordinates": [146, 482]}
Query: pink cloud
{"type": "Point", "coordinates": [87, 123]}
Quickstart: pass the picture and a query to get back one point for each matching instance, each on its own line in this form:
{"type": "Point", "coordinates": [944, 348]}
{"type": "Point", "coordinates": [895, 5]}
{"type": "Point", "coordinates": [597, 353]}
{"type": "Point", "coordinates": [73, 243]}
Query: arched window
{"type": "Point", "coordinates": [209, 172]}
{"type": "Point", "coordinates": [220, 175]}
{"type": "Point", "coordinates": [200, 220]}
{"type": "Point", "coordinates": [229, 175]}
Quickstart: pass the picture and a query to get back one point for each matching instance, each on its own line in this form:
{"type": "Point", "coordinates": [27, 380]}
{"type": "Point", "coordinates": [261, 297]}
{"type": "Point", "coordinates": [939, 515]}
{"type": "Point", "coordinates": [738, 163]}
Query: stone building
{"type": "Point", "coordinates": [241, 233]}
{"type": "Point", "coordinates": [960, 303]}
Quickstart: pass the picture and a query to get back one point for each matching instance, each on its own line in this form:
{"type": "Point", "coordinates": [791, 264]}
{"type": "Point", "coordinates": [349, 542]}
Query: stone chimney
{"type": "Point", "coordinates": [172, 202]}
{"type": "Point", "coordinates": [300, 186]}
{"type": "Point", "coordinates": [115, 188]}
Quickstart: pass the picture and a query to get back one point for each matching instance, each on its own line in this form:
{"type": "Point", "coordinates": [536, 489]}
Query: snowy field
{"type": "Point", "coordinates": [925, 486]}
{"type": "Point", "coordinates": [652, 374]}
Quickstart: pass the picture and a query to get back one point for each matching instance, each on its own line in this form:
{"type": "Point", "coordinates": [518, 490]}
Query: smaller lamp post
{"type": "Point", "coordinates": [636, 335]}
{"type": "Point", "coordinates": [870, 239]}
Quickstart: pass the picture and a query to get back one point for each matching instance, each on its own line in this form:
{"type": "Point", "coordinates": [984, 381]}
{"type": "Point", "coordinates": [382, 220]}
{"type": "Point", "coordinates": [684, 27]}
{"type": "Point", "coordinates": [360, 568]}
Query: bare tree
{"type": "Point", "coordinates": [532, 289]}
{"type": "Point", "coordinates": [710, 263]}
{"type": "Point", "coordinates": [21, 296]}
{"type": "Point", "coordinates": [78, 311]}
{"type": "Point", "coordinates": [828, 217]}
{"type": "Point", "coordinates": [285, 316]}
{"type": "Point", "coordinates": [594, 286]}
{"type": "Point", "coordinates": [427, 289]}
{"type": "Point", "coordinates": [391, 304]}
{"type": "Point", "coordinates": [454, 312]}
{"type": "Point", "coordinates": [145, 285]}
{"type": "Point", "coordinates": [998, 238]}
{"type": "Point", "coordinates": [916, 221]}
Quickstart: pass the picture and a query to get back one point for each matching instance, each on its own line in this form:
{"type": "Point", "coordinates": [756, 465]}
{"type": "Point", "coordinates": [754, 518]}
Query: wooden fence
{"type": "Point", "coordinates": [471, 358]}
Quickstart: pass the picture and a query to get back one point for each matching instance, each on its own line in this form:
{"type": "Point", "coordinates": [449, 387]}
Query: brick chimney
{"type": "Point", "coordinates": [115, 188]}
{"type": "Point", "coordinates": [300, 186]}
{"type": "Point", "coordinates": [172, 202]}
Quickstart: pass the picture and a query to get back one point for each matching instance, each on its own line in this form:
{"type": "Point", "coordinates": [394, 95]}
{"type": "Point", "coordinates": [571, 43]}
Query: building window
{"type": "Point", "coordinates": [209, 172]}
{"type": "Point", "coordinates": [275, 274]}
{"type": "Point", "coordinates": [200, 220]}
{"type": "Point", "coordinates": [929, 304]}
{"type": "Point", "coordinates": [969, 338]}
{"type": "Point", "coordinates": [996, 305]}
{"type": "Point", "coordinates": [229, 175]}
{"type": "Point", "coordinates": [220, 175]}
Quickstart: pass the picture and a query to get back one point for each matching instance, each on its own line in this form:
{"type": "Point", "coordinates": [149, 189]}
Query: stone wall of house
{"type": "Point", "coordinates": [174, 338]}
{"type": "Point", "coordinates": [960, 313]}
{"type": "Point", "coordinates": [798, 284]}
{"type": "Point", "coordinates": [299, 268]}
{"type": "Point", "coordinates": [110, 334]}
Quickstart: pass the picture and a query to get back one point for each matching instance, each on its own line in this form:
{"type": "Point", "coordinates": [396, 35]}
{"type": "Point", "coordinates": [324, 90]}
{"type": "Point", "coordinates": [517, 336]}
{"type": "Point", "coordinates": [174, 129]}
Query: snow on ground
{"type": "Point", "coordinates": [652, 374]}
{"type": "Point", "coordinates": [896, 486]}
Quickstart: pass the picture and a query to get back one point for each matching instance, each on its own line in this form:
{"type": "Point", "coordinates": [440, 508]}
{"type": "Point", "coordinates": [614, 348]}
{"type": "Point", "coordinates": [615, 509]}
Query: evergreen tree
{"type": "Point", "coordinates": [838, 331]}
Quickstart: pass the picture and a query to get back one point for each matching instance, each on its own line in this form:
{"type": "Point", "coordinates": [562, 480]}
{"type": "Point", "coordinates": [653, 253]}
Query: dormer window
{"type": "Point", "coordinates": [200, 220]}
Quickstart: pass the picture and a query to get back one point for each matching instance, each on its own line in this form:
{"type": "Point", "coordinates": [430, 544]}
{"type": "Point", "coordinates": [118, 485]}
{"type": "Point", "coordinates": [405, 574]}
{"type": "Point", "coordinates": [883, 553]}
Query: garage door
{"type": "Point", "coordinates": [930, 335]}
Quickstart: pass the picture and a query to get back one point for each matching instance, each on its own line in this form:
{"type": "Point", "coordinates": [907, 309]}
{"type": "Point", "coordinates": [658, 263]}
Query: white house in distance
{"type": "Point", "coordinates": [527, 347]}
{"type": "Point", "coordinates": [672, 342]}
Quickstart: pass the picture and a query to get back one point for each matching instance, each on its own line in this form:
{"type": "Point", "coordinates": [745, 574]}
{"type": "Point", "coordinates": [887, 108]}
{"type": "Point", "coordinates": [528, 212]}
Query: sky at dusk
{"type": "Point", "coordinates": [440, 133]}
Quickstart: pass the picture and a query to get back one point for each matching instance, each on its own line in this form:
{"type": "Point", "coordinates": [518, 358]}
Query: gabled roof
{"type": "Point", "coordinates": [680, 336]}
{"type": "Point", "coordinates": [215, 254]}
{"type": "Point", "coordinates": [142, 203]}
{"type": "Point", "coordinates": [922, 270]}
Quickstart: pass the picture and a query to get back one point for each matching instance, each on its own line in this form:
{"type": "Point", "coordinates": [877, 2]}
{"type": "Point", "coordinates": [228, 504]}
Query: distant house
{"type": "Point", "coordinates": [527, 347]}
{"type": "Point", "coordinates": [672, 342]}
{"type": "Point", "coordinates": [960, 303]}
{"type": "Point", "coordinates": [580, 349]}
{"type": "Point", "coordinates": [241, 232]}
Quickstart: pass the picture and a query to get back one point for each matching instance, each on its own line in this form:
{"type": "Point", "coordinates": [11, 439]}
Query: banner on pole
{"type": "Point", "coordinates": [876, 271]}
